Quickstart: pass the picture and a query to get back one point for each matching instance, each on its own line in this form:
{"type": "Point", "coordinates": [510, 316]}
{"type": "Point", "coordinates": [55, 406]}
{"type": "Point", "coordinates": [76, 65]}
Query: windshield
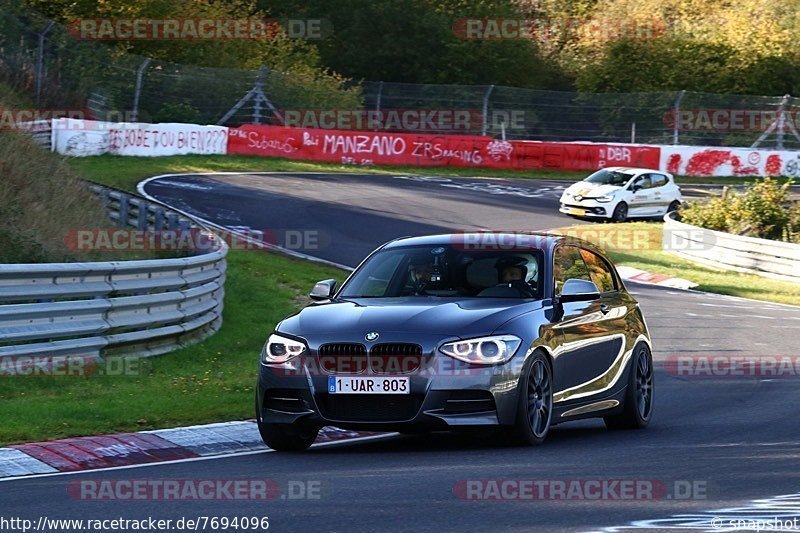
{"type": "Point", "coordinates": [609, 177]}
{"type": "Point", "coordinates": [447, 271]}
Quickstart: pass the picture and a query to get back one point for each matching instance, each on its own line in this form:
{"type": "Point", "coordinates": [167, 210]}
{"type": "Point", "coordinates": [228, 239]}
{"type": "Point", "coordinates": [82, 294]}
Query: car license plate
{"type": "Point", "coordinates": [365, 385]}
{"type": "Point", "coordinates": [579, 212]}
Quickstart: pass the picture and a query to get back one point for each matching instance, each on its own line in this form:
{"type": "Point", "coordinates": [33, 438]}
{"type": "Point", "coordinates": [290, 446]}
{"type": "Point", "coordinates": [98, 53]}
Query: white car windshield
{"type": "Point", "coordinates": [609, 177]}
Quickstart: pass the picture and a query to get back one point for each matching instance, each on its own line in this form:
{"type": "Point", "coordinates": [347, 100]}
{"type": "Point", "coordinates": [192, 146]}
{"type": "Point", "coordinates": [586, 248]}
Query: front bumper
{"type": "Point", "coordinates": [586, 208]}
{"type": "Point", "coordinates": [444, 394]}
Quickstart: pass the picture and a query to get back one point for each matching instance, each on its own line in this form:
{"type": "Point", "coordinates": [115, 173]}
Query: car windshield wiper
{"type": "Point", "coordinates": [365, 296]}
{"type": "Point", "coordinates": [393, 296]}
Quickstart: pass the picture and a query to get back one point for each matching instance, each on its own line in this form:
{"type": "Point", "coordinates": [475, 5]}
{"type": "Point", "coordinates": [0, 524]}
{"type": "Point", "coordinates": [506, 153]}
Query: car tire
{"type": "Point", "coordinates": [637, 409]}
{"type": "Point", "coordinates": [674, 206]}
{"type": "Point", "coordinates": [620, 213]}
{"type": "Point", "coordinates": [535, 402]}
{"type": "Point", "coordinates": [286, 438]}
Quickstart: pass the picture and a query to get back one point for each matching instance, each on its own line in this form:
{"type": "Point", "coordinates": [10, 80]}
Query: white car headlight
{"type": "Point", "coordinates": [483, 351]}
{"type": "Point", "coordinates": [605, 199]}
{"type": "Point", "coordinates": [279, 349]}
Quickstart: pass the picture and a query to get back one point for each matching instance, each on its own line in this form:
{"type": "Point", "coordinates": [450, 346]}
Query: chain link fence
{"type": "Point", "coordinates": [42, 60]}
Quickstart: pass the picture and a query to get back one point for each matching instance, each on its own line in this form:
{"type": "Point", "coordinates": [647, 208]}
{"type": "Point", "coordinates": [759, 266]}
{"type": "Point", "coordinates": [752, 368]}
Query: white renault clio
{"type": "Point", "coordinates": [619, 193]}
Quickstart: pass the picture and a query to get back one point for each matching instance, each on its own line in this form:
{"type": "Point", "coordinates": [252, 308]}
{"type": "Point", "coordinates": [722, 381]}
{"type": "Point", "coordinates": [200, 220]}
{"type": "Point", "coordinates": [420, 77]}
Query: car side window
{"type": "Point", "coordinates": [658, 180]}
{"type": "Point", "coordinates": [568, 264]}
{"type": "Point", "coordinates": [600, 271]}
{"type": "Point", "coordinates": [642, 181]}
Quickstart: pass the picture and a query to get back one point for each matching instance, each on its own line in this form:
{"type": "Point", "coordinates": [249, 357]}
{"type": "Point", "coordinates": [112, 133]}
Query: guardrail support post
{"type": "Point", "coordinates": [141, 220]}
{"type": "Point", "coordinates": [105, 201]}
{"type": "Point", "coordinates": [172, 221]}
{"type": "Point", "coordinates": [158, 221]}
{"type": "Point", "coordinates": [124, 210]}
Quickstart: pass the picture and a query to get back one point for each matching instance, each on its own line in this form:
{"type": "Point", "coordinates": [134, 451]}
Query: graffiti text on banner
{"type": "Point", "coordinates": [717, 161]}
{"type": "Point", "coordinates": [368, 148]}
{"type": "Point", "coordinates": [88, 137]}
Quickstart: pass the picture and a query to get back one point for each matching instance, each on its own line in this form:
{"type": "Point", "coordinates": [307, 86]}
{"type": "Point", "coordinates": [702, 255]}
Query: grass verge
{"type": "Point", "coordinates": [209, 382]}
{"type": "Point", "coordinates": [639, 245]}
{"type": "Point", "coordinates": [41, 200]}
{"type": "Point", "coordinates": [125, 172]}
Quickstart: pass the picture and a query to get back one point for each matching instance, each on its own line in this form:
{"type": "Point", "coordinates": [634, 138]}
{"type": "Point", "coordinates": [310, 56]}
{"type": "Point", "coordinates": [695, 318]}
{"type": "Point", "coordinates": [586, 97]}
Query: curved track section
{"type": "Point", "coordinates": [734, 439]}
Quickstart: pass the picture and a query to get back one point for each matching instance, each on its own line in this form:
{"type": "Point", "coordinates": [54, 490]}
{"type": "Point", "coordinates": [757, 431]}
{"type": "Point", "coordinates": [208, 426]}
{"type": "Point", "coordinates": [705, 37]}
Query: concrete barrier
{"type": "Point", "coordinates": [764, 257]}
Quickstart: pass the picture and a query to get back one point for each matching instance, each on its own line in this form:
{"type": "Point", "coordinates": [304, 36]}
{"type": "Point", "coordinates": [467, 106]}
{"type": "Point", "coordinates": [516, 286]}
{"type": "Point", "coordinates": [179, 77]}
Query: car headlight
{"type": "Point", "coordinates": [606, 198]}
{"type": "Point", "coordinates": [483, 351]}
{"type": "Point", "coordinates": [279, 349]}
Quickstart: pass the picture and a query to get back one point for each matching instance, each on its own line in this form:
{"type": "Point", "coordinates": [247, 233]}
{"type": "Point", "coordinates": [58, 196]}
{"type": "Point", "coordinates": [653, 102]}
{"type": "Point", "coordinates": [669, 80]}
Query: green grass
{"type": "Point", "coordinates": [209, 382]}
{"type": "Point", "coordinates": [125, 172]}
{"type": "Point", "coordinates": [639, 245]}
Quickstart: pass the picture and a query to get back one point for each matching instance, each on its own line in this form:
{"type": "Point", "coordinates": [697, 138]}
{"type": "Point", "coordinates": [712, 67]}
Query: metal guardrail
{"type": "Point", "coordinates": [764, 257]}
{"type": "Point", "coordinates": [41, 131]}
{"type": "Point", "coordinates": [96, 309]}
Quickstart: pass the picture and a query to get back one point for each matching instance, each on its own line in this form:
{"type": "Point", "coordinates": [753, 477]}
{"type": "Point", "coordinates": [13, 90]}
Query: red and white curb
{"type": "Point", "coordinates": [127, 449]}
{"type": "Point", "coordinates": [640, 276]}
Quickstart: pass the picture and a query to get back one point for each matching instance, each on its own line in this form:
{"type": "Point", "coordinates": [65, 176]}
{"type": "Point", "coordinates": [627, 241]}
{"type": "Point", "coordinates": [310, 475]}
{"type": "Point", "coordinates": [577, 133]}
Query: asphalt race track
{"type": "Point", "coordinates": [738, 438]}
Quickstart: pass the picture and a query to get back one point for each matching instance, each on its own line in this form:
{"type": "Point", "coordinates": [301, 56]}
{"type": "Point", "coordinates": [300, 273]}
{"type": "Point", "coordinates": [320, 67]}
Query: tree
{"type": "Point", "coordinates": [414, 41]}
{"type": "Point", "coordinates": [280, 52]}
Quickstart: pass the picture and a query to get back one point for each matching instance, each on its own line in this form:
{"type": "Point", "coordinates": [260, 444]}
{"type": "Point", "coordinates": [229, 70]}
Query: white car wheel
{"type": "Point", "coordinates": [620, 213]}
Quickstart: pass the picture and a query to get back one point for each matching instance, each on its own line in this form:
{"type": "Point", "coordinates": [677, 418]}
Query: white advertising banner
{"type": "Point", "coordinates": [704, 161]}
{"type": "Point", "coordinates": [88, 137]}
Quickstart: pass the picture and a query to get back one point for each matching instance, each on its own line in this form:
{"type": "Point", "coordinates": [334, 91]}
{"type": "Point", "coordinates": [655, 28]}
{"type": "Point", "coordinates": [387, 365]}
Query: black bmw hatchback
{"type": "Point", "coordinates": [504, 331]}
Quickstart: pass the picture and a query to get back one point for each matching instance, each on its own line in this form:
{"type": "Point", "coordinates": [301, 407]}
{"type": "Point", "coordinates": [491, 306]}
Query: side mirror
{"type": "Point", "coordinates": [579, 290]}
{"type": "Point", "coordinates": [323, 290]}
{"type": "Point", "coordinates": [636, 187]}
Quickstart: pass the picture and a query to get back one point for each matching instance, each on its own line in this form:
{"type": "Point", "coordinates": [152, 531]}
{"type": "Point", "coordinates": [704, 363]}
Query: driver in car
{"type": "Point", "coordinates": [513, 271]}
{"type": "Point", "coordinates": [423, 273]}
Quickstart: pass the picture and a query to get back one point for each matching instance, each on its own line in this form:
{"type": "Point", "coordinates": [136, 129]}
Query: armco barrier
{"type": "Point", "coordinates": [772, 259]}
{"type": "Point", "coordinates": [142, 308]}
